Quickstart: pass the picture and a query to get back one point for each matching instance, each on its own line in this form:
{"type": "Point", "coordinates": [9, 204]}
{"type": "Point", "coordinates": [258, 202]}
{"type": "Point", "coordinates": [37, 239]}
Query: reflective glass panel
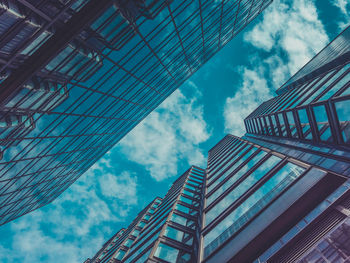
{"type": "Point", "coordinates": [343, 112]}
{"type": "Point", "coordinates": [252, 205]}
{"type": "Point", "coordinates": [238, 191]}
{"type": "Point", "coordinates": [322, 122]}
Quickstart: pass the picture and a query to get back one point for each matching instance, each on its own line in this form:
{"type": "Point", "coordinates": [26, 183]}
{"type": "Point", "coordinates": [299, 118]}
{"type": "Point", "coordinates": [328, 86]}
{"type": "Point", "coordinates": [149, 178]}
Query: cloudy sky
{"type": "Point", "coordinates": [179, 133]}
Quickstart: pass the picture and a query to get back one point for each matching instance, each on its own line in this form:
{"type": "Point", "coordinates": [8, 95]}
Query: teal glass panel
{"type": "Point", "coordinates": [171, 254]}
{"type": "Point", "coordinates": [305, 124]}
{"type": "Point", "coordinates": [235, 177]}
{"type": "Point", "coordinates": [343, 112]}
{"type": "Point", "coordinates": [251, 206]}
{"type": "Point", "coordinates": [141, 224]}
{"type": "Point", "coordinates": [231, 157]}
{"type": "Point", "coordinates": [186, 209]}
{"type": "Point", "coordinates": [178, 235]}
{"type": "Point", "coordinates": [181, 220]}
{"type": "Point", "coordinates": [144, 257]}
{"type": "Point", "coordinates": [282, 124]}
{"type": "Point", "coordinates": [188, 201]}
{"type": "Point", "coordinates": [324, 86]}
{"type": "Point", "coordinates": [120, 254]}
{"type": "Point", "coordinates": [274, 124]}
{"type": "Point", "coordinates": [243, 157]}
{"type": "Point", "coordinates": [292, 125]}
{"type": "Point", "coordinates": [135, 232]}
{"type": "Point", "coordinates": [166, 253]}
{"type": "Point", "coordinates": [322, 122]}
{"type": "Point", "coordinates": [338, 85]}
{"type": "Point", "coordinates": [244, 186]}
{"type": "Point", "coordinates": [128, 242]}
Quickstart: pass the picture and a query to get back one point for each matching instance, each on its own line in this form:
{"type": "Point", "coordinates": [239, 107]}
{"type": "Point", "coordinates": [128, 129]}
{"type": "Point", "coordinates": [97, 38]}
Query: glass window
{"type": "Point", "coordinates": [181, 220]}
{"type": "Point", "coordinates": [282, 124]}
{"type": "Point", "coordinates": [238, 191]}
{"type": "Point", "coordinates": [227, 160]}
{"type": "Point", "coordinates": [192, 188]}
{"type": "Point", "coordinates": [343, 112]}
{"type": "Point", "coordinates": [292, 125]}
{"type": "Point", "coordinates": [305, 125]}
{"type": "Point", "coordinates": [185, 209]}
{"type": "Point", "coordinates": [171, 254]}
{"type": "Point", "coordinates": [235, 177]}
{"type": "Point", "coordinates": [135, 232]}
{"type": "Point", "coordinates": [322, 122]}
{"type": "Point", "coordinates": [324, 87]}
{"type": "Point", "coordinates": [141, 224]}
{"type": "Point", "coordinates": [251, 206]}
{"type": "Point", "coordinates": [128, 242]}
{"type": "Point", "coordinates": [187, 200]}
{"type": "Point", "coordinates": [120, 255]}
{"type": "Point", "coordinates": [178, 235]}
{"type": "Point", "coordinates": [242, 159]}
{"type": "Point", "coordinates": [274, 124]}
{"type": "Point", "coordinates": [188, 193]}
{"type": "Point", "coordinates": [338, 85]}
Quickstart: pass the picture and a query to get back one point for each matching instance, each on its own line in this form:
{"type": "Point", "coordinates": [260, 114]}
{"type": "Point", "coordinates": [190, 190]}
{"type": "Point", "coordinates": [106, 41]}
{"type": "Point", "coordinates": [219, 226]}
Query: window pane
{"type": "Point", "coordinates": [322, 122]}
{"type": "Point", "coordinates": [292, 125]}
{"type": "Point", "coordinates": [235, 177]}
{"type": "Point", "coordinates": [120, 255]}
{"type": "Point", "coordinates": [233, 167]}
{"type": "Point", "coordinates": [251, 206]}
{"type": "Point", "coordinates": [181, 220]}
{"type": "Point", "coordinates": [343, 112]}
{"type": "Point", "coordinates": [175, 234]}
{"type": "Point", "coordinates": [338, 85]}
{"type": "Point", "coordinates": [241, 188]}
{"type": "Point", "coordinates": [305, 125]}
{"type": "Point", "coordinates": [167, 253]}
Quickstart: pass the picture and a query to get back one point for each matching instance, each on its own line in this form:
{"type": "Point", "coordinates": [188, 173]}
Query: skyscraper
{"type": "Point", "coordinates": [281, 193]}
{"type": "Point", "coordinates": [76, 76]}
{"type": "Point", "coordinates": [309, 122]}
{"type": "Point", "coordinates": [170, 233]}
{"type": "Point", "coordinates": [260, 196]}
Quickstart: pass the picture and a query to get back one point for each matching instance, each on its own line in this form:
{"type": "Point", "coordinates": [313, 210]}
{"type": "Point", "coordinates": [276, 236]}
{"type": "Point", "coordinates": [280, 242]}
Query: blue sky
{"type": "Point", "coordinates": [212, 103]}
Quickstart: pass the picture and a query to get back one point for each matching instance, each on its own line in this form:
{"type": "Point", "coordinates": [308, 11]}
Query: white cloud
{"type": "Point", "coordinates": [76, 224]}
{"type": "Point", "coordinates": [344, 6]}
{"type": "Point", "coordinates": [292, 28]}
{"type": "Point", "coordinates": [290, 34]}
{"type": "Point", "coordinates": [169, 134]}
{"type": "Point", "coordinates": [252, 93]}
{"type": "Point", "coordinates": [122, 187]}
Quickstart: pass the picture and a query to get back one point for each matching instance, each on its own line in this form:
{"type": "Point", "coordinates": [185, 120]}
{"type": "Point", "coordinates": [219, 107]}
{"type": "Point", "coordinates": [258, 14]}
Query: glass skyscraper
{"type": "Point", "coordinates": [280, 193]}
{"type": "Point", "coordinates": [167, 230]}
{"type": "Point", "coordinates": [76, 76]}
{"type": "Point", "coordinates": [260, 196]}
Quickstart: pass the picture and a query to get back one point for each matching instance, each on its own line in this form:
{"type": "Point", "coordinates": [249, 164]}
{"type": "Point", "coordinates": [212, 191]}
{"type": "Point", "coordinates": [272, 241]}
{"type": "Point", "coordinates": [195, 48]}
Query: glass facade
{"type": "Point", "coordinates": [249, 204]}
{"type": "Point", "coordinates": [172, 232]}
{"type": "Point", "coordinates": [280, 193]}
{"type": "Point", "coordinates": [249, 186]}
{"type": "Point", "coordinates": [120, 243]}
{"type": "Point", "coordinates": [76, 76]}
{"type": "Point", "coordinates": [308, 121]}
{"type": "Point", "coordinates": [335, 247]}
{"type": "Point", "coordinates": [312, 109]}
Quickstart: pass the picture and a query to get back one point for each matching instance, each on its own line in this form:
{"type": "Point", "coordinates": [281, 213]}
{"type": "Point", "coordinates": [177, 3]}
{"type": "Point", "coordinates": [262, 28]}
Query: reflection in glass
{"type": "Point", "coordinates": [322, 122]}
{"type": "Point", "coordinates": [238, 191]}
{"type": "Point", "coordinates": [251, 206]}
{"type": "Point", "coordinates": [305, 125]}
{"type": "Point", "coordinates": [343, 112]}
{"type": "Point", "coordinates": [292, 125]}
{"type": "Point", "coordinates": [235, 177]}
